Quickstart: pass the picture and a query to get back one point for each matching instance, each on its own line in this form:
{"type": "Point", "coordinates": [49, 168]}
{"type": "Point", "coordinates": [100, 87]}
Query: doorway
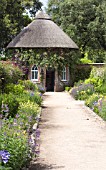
{"type": "Point", "coordinates": [50, 78]}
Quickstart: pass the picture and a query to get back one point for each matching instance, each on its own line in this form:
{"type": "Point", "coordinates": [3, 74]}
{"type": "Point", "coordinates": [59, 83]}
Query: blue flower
{"type": "Point", "coordinates": [95, 103]}
{"type": "Point", "coordinates": [31, 94]}
{"type": "Point", "coordinates": [40, 94]}
{"type": "Point", "coordinates": [4, 156]}
{"type": "Point", "coordinates": [17, 115]}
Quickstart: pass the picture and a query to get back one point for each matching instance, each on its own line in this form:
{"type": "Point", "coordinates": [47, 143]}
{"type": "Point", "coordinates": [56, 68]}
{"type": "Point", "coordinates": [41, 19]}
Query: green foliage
{"type": "Point", "coordinates": [84, 22]}
{"type": "Point", "coordinates": [10, 102]}
{"type": "Point", "coordinates": [82, 91]}
{"type": "Point", "coordinates": [9, 74]}
{"type": "Point", "coordinates": [31, 96]}
{"type": "Point", "coordinates": [102, 112]}
{"type": "Point", "coordinates": [93, 81]}
{"type": "Point", "coordinates": [5, 168]}
{"type": "Point", "coordinates": [55, 58]}
{"type": "Point", "coordinates": [97, 78]}
{"type": "Point", "coordinates": [82, 73]}
{"type": "Point", "coordinates": [98, 104]}
{"type": "Point", "coordinates": [14, 16]}
{"type": "Point", "coordinates": [16, 74]}
{"type": "Point", "coordinates": [83, 94]}
{"type": "Point", "coordinates": [97, 72]}
{"type": "Point", "coordinates": [15, 141]}
{"type": "Point", "coordinates": [92, 100]}
{"type": "Point", "coordinates": [15, 89]}
{"type": "Point", "coordinates": [27, 113]}
{"type": "Point", "coordinates": [67, 88]}
{"type": "Point", "coordinates": [28, 85]}
{"type": "Point", "coordinates": [35, 97]}
{"type": "Point", "coordinates": [101, 89]}
{"type": "Point", "coordinates": [85, 60]}
{"type": "Point", "coordinates": [41, 89]}
{"type": "Point", "coordinates": [9, 106]}
{"type": "Point", "coordinates": [19, 111]}
{"type": "Point", "coordinates": [18, 89]}
{"type": "Point", "coordinates": [94, 94]}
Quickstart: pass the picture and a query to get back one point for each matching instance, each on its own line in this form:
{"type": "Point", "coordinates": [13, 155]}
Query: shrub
{"type": "Point", "coordinates": [15, 136]}
{"type": "Point", "coordinates": [9, 105]}
{"type": "Point", "coordinates": [41, 89]}
{"type": "Point", "coordinates": [82, 73]}
{"type": "Point", "coordinates": [29, 85]}
{"type": "Point", "coordinates": [9, 74]}
{"type": "Point", "coordinates": [83, 89]}
{"type": "Point", "coordinates": [67, 88]}
{"type": "Point", "coordinates": [32, 96]}
{"type": "Point", "coordinates": [15, 89]}
{"type": "Point", "coordinates": [85, 60]}
{"type": "Point", "coordinates": [82, 95]}
{"type": "Point", "coordinates": [93, 81]}
{"type": "Point", "coordinates": [102, 112]}
{"type": "Point", "coordinates": [92, 99]}
{"type": "Point", "coordinates": [27, 114]}
{"type": "Point", "coordinates": [5, 168]}
{"type": "Point", "coordinates": [98, 104]}
{"type": "Point", "coordinates": [101, 89]}
{"type": "Point", "coordinates": [14, 140]}
{"type": "Point", "coordinates": [9, 88]}
{"type": "Point", "coordinates": [80, 82]}
{"type": "Point", "coordinates": [93, 103]}
{"type": "Point", "coordinates": [18, 89]}
{"type": "Point", "coordinates": [97, 77]}
{"type": "Point", "coordinates": [16, 74]}
{"type": "Point", "coordinates": [97, 72]}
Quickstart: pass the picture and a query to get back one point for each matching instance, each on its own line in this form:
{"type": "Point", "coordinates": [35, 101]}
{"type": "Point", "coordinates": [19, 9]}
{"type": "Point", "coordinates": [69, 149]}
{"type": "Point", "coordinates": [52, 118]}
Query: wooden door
{"type": "Point", "coordinates": [50, 77]}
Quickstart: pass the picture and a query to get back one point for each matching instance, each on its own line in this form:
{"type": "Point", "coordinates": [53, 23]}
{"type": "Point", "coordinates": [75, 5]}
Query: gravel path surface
{"type": "Point", "coordinates": [72, 137]}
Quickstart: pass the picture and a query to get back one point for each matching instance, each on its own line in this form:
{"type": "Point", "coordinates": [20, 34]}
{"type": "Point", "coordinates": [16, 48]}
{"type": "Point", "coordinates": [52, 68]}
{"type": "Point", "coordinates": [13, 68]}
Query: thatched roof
{"type": "Point", "coordinates": [42, 33]}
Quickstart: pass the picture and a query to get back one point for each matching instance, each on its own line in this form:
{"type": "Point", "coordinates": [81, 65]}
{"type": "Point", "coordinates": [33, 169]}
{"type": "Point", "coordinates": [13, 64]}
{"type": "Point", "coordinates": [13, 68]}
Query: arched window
{"type": "Point", "coordinates": [34, 73]}
{"type": "Point", "coordinates": [64, 74]}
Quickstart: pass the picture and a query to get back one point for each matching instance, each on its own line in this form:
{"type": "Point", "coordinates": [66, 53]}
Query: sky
{"type": "Point", "coordinates": [44, 2]}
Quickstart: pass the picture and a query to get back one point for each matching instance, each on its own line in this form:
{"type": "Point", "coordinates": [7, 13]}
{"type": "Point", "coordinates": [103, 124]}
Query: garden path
{"type": "Point", "coordinates": [72, 137]}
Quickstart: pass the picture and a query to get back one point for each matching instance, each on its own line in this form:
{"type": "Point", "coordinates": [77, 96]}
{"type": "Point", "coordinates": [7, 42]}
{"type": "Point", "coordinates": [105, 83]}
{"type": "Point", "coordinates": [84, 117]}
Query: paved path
{"type": "Point", "coordinates": [72, 137]}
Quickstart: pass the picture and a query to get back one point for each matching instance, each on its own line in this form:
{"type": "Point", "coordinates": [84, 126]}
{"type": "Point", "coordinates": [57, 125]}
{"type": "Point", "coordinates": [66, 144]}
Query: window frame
{"type": "Point", "coordinates": [34, 70]}
{"type": "Point", "coordinates": [64, 74]}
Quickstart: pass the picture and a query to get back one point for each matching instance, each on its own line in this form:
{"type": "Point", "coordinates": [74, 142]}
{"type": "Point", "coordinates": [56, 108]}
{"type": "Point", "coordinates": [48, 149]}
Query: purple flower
{"type": "Point", "coordinates": [37, 133]}
{"type": "Point", "coordinates": [4, 156]}
{"type": "Point", "coordinates": [40, 94]}
{"type": "Point", "coordinates": [37, 119]}
{"type": "Point", "coordinates": [37, 152]}
{"type": "Point", "coordinates": [5, 134]}
{"type": "Point", "coordinates": [21, 123]}
{"type": "Point", "coordinates": [95, 103]}
{"type": "Point", "coordinates": [30, 119]}
{"type": "Point", "coordinates": [17, 116]}
{"type": "Point", "coordinates": [31, 94]}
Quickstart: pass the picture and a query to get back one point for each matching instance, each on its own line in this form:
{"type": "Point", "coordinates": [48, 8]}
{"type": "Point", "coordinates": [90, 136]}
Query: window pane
{"type": "Point", "coordinates": [32, 74]}
{"type": "Point", "coordinates": [64, 73]}
{"type": "Point", "coordinates": [36, 75]}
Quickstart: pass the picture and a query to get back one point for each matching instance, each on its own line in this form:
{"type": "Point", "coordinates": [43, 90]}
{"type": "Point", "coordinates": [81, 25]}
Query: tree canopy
{"type": "Point", "coordinates": [14, 16]}
{"type": "Point", "coordinates": [84, 22]}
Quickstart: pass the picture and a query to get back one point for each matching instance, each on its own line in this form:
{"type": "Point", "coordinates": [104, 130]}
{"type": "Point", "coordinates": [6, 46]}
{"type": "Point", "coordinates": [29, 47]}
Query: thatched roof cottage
{"type": "Point", "coordinates": [44, 33]}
